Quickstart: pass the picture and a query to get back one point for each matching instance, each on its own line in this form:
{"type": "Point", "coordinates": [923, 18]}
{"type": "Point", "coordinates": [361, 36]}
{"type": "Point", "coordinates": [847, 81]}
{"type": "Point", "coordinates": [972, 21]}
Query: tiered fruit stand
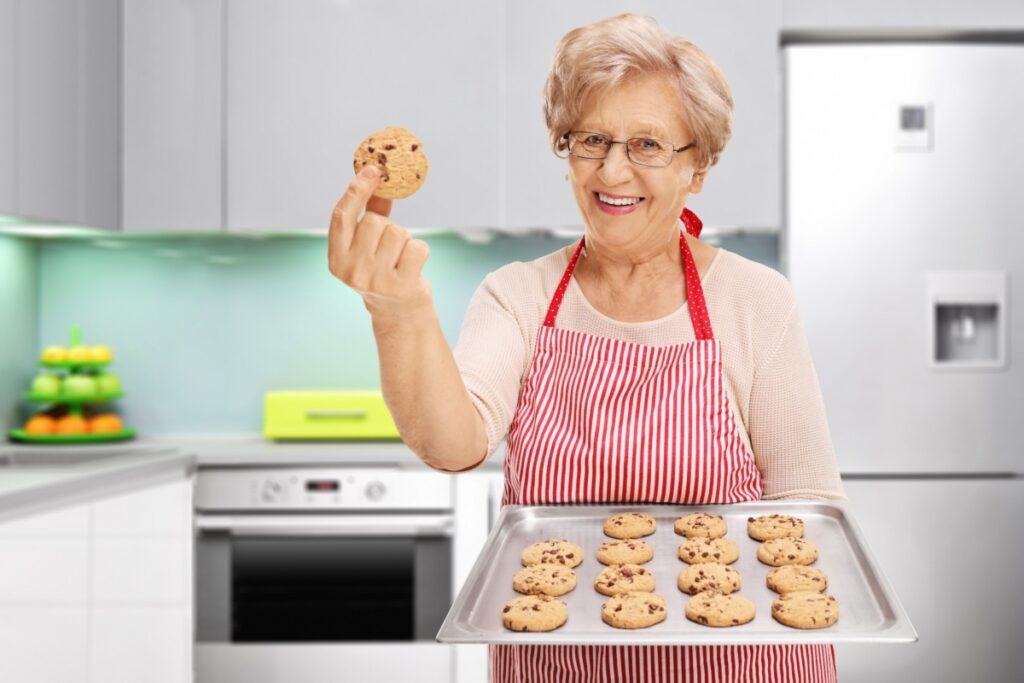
{"type": "Point", "coordinates": [63, 403]}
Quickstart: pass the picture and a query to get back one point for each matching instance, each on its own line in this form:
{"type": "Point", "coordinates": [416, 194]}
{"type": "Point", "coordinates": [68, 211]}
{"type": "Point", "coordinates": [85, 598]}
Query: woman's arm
{"type": "Point", "coordinates": [419, 379]}
{"type": "Point", "coordinates": [787, 422]}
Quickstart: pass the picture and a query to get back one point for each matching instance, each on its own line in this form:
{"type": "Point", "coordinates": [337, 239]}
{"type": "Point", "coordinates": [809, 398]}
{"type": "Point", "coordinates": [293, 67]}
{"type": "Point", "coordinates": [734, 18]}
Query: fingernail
{"type": "Point", "coordinates": [369, 172]}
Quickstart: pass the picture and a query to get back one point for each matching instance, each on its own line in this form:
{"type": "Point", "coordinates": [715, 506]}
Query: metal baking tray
{"type": "Point", "coordinates": [869, 609]}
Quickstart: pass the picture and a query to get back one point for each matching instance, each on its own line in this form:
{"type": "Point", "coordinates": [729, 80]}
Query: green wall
{"type": "Point", "coordinates": [18, 323]}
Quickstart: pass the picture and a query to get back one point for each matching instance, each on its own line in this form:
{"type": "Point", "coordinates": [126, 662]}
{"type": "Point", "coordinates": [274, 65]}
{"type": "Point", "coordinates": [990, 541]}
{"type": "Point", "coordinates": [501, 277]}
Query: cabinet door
{"type": "Point", "coordinates": [307, 82]}
{"type": "Point", "coordinates": [921, 532]}
{"type": "Point", "coordinates": [740, 35]}
{"type": "Point", "coordinates": [172, 70]}
{"type": "Point", "coordinates": [68, 111]}
{"type": "Point", "coordinates": [8, 107]}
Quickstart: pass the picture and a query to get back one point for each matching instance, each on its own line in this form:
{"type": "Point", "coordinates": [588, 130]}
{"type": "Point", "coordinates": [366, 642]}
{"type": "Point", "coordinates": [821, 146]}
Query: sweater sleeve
{"type": "Point", "coordinates": [787, 422]}
{"type": "Point", "coordinates": [492, 354]}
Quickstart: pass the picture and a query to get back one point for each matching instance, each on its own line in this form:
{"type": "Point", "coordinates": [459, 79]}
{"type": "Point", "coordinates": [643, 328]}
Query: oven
{"type": "Point", "coordinates": [322, 574]}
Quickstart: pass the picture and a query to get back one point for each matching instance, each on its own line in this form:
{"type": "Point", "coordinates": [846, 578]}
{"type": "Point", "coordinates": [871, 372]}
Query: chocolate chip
{"type": "Point", "coordinates": [507, 608]}
{"type": "Point", "coordinates": [619, 608]}
{"type": "Point", "coordinates": [791, 557]}
{"type": "Point", "coordinates": [389, 147]}
{"type": "Point", "coordinates": [372, 150]}
{"type": "Point", "coordinates": [735, 621]}
{"type": "Point", "coordinates": [569, 555]}
{"type": "Point", "coordinates": [536, 608]}
{"type": "Point", "coordinates": [702, 620]}
{"type": "Point", "coordinates": [382, 158]}
{"type": "Point", "coordinates": [415, 147]}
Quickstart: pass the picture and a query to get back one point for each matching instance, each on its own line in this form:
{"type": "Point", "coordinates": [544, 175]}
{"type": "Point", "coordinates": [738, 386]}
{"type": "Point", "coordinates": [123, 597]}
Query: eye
{"type": "Point", "coordinates": [594, 140]}
{"type": "Point", "coordinates": [648, 144]}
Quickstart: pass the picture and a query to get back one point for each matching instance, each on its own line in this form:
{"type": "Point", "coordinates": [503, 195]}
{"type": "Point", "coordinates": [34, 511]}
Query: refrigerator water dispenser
{"type": "Point", "coordinates": [967, 315]}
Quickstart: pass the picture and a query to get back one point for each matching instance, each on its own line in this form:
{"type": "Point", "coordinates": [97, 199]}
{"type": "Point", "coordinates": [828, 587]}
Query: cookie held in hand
{"type": "Point", "coordinates": [399, 155]}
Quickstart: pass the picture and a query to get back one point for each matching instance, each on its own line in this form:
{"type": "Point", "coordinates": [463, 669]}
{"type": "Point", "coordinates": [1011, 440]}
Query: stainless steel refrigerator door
{"type": "Point", "coordinates": [872, 209]}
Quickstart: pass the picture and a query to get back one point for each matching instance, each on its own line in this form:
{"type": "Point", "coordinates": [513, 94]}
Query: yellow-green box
{"type": "Point", "coordinates": [326, 415]}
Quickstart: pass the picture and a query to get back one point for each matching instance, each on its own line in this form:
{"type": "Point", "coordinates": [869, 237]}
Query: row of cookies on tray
{"type": "Point", "coordinates": [548, 573]}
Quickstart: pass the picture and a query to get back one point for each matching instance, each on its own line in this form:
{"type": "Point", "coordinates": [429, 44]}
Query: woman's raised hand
{"type": "Point", "coordinates": [377, 258]}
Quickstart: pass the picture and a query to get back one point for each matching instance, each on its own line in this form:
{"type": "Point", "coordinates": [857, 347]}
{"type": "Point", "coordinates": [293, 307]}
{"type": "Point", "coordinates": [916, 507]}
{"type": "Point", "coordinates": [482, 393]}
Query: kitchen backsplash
{"type": "Point", "coordinates": [18, 321]}
{"type": "Point", "coordinates": [202, 326]}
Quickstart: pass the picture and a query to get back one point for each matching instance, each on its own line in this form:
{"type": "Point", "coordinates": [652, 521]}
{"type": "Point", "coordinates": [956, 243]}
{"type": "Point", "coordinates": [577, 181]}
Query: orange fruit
{"type": "Point", "coordinates": [71, 424]}
{"type": "Point", "coordinates": [105, 424]}
{"type": "Point", "coordinates": [40, 424]}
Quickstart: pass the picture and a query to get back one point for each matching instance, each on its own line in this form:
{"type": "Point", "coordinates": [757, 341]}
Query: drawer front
{"type": "Point", "coordinates": [327, 415]}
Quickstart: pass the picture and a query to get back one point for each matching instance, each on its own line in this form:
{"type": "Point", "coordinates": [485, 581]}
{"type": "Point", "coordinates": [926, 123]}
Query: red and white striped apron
{"type": "Point", "coordinates": [606, 421]}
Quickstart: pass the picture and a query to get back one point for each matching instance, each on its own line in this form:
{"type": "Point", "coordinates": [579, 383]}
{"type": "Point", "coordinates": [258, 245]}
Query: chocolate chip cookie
{"type": "Point", "coordinates": [553, 551]}
{"type": "Point", "coordinates": [699, 550]}
{"type": "Point", "coordinates": [705, 576]}
{"type": "Point", "coordinates": [712, 608]}
{"type": "Point", "coordinates": [534, 613]}
{"type": "Point", "coordinates": [805, 609]}
{"type": "Point", "coordinates": [624, 578]}
{"type": "Point", "coordinates": [625, 551]}
{"type": "Point", "coordinates": [782, 551]}
{"type": "Point", "coordinates": [634, 610]}
{"type": "Point", "coordinates": [701, 525]}
{"type": "Point", "coordinates": [791, 578]}
{"type": "Point", "coordinates": [549, 579]}
{"type": "Point", "coordinates": [629, 525]}
{"type": "Point", "coordinates": [767, 527]}
{"type": "Point", "coordinates": [399, 154]}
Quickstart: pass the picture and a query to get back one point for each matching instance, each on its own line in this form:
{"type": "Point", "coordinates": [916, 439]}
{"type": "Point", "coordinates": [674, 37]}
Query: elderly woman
{"type": "Point", "coordinates": [638, 365]}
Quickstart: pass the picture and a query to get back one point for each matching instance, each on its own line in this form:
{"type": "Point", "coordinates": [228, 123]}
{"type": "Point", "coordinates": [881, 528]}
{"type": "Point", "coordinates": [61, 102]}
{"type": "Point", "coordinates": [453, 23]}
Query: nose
{"type": "Point", "coordinates": [615, 168]}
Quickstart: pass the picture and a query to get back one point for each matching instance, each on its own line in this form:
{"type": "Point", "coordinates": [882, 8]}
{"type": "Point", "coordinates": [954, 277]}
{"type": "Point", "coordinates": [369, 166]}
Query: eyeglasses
{"type": "Point", "coordinates": [642, 151]}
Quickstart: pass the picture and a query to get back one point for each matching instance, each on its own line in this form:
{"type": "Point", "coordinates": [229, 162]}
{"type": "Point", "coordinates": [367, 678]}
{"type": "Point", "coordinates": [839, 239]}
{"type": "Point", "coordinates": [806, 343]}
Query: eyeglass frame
{"type": "Point", "coordinates": [625, 143]}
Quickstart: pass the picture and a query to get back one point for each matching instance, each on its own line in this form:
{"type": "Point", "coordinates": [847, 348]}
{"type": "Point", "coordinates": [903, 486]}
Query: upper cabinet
{"type": "Point", "coordinates": [61, 127]}
{"type": "Point", "coordinates": [307, 82]}
{"type": "Point", "coordinates": [741, 36]}
{"type": "Point", "coordinates": [172, 70]}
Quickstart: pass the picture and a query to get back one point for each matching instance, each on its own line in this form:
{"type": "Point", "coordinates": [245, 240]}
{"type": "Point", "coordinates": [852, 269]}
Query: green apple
{"type": "Point", "coordinates": [79, 386]}
{"type": "Point", "coordinates": [108, 383]}
{"type": "Point", "coordinates": [46, 385]}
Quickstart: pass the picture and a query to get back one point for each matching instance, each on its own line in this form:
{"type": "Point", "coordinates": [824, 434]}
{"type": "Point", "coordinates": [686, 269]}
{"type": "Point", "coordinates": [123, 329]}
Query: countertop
{"type": "Point", "coordinates": [62, 475]}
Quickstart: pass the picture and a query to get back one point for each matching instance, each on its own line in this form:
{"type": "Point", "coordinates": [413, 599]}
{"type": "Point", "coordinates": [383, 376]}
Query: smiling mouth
{"type": "Point", "coordinates": [622, 201]}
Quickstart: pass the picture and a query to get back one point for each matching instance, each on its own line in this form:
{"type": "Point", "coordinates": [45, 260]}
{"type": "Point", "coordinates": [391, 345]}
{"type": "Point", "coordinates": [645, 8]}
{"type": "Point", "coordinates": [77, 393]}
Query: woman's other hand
{"type": "Point", "coordinates": [377, 258]}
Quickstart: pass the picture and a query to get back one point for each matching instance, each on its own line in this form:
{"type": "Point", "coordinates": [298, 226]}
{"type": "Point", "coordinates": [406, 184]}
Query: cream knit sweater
{"type": "Point", "coordinates": [769, 375]}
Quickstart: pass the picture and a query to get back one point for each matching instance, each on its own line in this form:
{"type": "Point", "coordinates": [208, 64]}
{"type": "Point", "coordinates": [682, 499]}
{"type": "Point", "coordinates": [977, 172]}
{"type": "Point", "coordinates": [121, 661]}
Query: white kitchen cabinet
{"type": "Point", "coordinates": [952, 549]}
{"type": "Point", "coordinates": [67, 117]}
{"type": "Point", "coordinates": [141, 585]}
{"type": "Point", "coordinates": [740, 35]}
{"type": "Point", "coordinates": [8, 107]}
{"type": "Point", "coordinates": [307, 82]}
{"type": "Point", "coordinates": [100, 591]}
{"type": "Point", "coordinates": [172, 92]}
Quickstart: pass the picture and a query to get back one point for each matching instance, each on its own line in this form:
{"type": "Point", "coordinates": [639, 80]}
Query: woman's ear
{"type": "Point", "coordinates": [697, 182]}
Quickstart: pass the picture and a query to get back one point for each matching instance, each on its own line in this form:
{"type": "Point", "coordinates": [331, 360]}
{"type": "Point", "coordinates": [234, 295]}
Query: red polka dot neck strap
{"type": "Point", "coordinates": [695, 293]}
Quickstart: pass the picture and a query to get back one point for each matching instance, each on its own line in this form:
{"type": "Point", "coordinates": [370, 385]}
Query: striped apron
{"type": "Point", "coordinates": [606, 421]}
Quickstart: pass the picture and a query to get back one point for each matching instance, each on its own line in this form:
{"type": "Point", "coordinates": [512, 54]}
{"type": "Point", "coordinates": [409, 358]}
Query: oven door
{"type": "Point", "coordinates": [322, 597]}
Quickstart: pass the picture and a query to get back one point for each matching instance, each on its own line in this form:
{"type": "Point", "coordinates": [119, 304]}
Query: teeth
{"type": "Point", "coordinates": [618, 202]}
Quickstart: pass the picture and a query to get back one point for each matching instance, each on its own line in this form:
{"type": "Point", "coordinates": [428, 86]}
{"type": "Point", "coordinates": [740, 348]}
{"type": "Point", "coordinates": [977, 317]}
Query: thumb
{"type": "Point", "coordinates": [379, 205]}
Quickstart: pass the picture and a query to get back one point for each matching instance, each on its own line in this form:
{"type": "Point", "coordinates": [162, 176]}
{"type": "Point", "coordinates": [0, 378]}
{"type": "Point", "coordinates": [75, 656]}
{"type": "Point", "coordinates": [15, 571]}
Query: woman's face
{"type": "Point", "coordinates": [643, 107]}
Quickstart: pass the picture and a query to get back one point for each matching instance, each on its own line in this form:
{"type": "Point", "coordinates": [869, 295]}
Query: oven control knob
{"type": "Point", "coordinates": [375, 490]}
{"type": "Point", "coordinates": [271, 491]}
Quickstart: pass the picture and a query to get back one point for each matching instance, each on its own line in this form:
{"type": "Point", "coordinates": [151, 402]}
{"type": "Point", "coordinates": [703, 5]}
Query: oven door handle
{"type": "Point", "coordinates": [326, 525]}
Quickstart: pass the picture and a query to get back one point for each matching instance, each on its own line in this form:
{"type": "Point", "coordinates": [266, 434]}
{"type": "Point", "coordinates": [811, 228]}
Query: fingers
{"type": "Point", "coordinates": [379, 205]}
{"type": "Point", "coordinates": [414, 255]}
{"type": "Point", "coordinates": [346, 212]}
{"type": "Point", "coordinates": [390, 246]}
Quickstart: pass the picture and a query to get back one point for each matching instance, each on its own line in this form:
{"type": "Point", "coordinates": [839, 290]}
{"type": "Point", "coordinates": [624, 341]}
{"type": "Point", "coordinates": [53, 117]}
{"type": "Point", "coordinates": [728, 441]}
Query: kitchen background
{"type": "Point", "coordinates": [167, 168]}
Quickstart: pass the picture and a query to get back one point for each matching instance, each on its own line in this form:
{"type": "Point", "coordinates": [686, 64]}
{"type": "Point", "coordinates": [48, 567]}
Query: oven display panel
{"type": "Point", "coordinates": [323, 485]}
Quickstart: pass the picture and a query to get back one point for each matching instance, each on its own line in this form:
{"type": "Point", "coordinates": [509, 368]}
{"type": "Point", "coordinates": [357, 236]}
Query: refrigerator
{"type": "Point", "coordinates": [904, 241]}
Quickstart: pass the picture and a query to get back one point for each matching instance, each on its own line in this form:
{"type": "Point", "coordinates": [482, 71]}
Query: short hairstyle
{"type": "Point", "coordinates": [608, 52]}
